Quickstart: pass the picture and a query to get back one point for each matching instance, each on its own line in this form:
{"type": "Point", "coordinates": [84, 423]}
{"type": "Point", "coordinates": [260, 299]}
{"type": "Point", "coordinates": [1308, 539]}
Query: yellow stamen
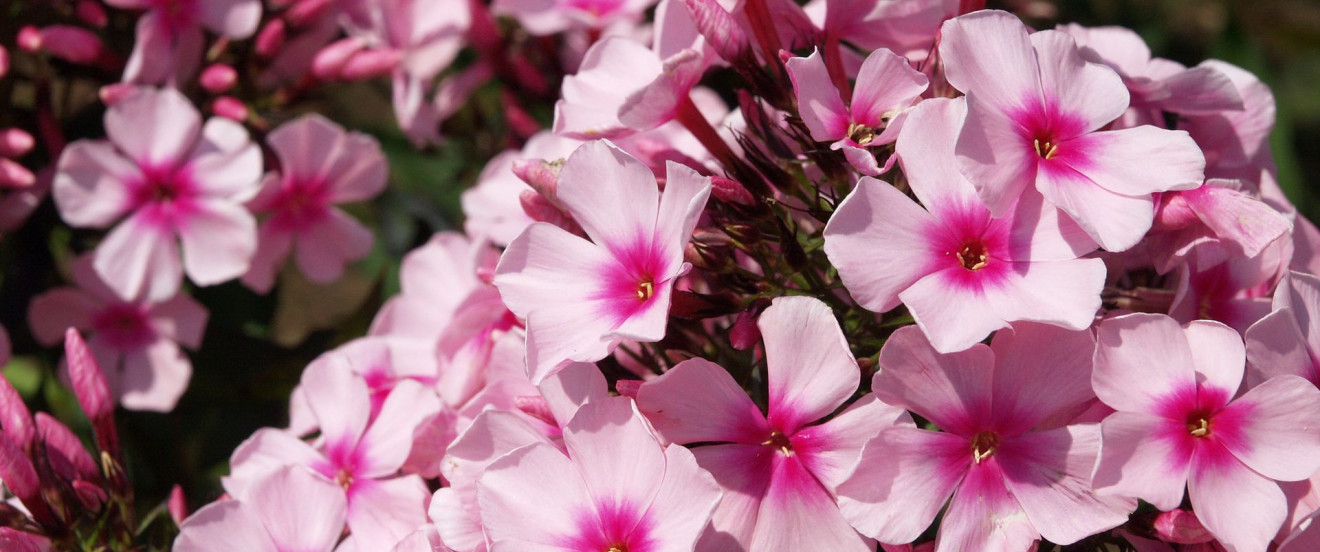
{"type": "Point", "coordinates": [1199, 429]}
{"type": "Point", "coordinates": [1046, 150]}
{"type": "Point", "coordinates": [645, 290]}
{"type": "Point", "coordinates": [861, 134]}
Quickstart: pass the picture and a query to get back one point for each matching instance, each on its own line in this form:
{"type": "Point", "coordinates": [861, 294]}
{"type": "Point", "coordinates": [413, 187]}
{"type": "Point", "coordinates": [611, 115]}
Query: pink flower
{"type": "Point", "coordinates": [547, 17]}
{"type": "Point", "coordinates": [494, 207]}
{"type": "Point", "coordinates": [136, 342]}
{"type": "Point", "coordinates": [436, 279]}
{"type": "Point", "coordinates": [582, 298]}
{"type": "Point", "coordinates": [1236, 142]}
{"type": "Point", "coordinates": [1235, 292]}
{"type": "Point", "coordinates": [1034, 108]}
{"type": "Point", "coordinates": [320, 165]}
{"type": "Point", "coordinates": [361, 454]}
{"type": "Point", "coordinates": [886, 87]}
{"type": "Point", "coordinates": [1016, 473]}
{"type": "Point", "coordinates": [176, 181]}
{"type": "Point", "coordinates": [907, 27]}
{"type": "Point", "coordinates": [778, 472]}
{"type": "Point", "coordinates": [291, 508]}
{"type": "Point", "coordinates": [961, 273]}
{"type": "Point", "coordinates": [1287, 340]}
{"type": "Point", "coordinates": [1178, 425]}
{"type": "Point", "coordinates": [617, 488]}
{"type": "Point", "coordinates": [1221, 219]}
{"type": "Point", "coordinates": [170, 39]}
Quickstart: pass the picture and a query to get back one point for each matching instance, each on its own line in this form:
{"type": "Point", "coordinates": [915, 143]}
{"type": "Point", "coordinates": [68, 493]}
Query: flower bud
{"type": "Point", "coordinates": [1181, 527]}
{"type": "Point", "coordinates": [306, 12]}
{"type": "Point", "coordinates": [112, 94]}
{"type": "Point", "coordinates": [230, 107]}
{"type": "Point", "coordinates": [15, 142]}
{"type": "Point", "coordinates": [177, 505]}
{"type": "Point", "coordinates": [328, 62]}
{"type": "Point", "coordinates": [369, 64]}
{"type": "Point", "coordinates": [218, 78]}
{"type": "Point", "coordinates": [628, 387]}
{"type": "Point", "coordinates": [541, 175]}
{"type": "Point", "coordinates": [730, 191]}
{"type": "Point", "coordinates": [721, 31]}
{"type": "Point", "coordinates": [92, 391]}
{"type": "Point", "coordinates": [270, 39]}
{"type": "Point", "coordinates": [92, 13]}
{"type": "Point", "coordinates": [69, 43]}
{"type": "Point", "coordinates": [4, 61]}
{"type": "Point", "coordinates": [13, 175]}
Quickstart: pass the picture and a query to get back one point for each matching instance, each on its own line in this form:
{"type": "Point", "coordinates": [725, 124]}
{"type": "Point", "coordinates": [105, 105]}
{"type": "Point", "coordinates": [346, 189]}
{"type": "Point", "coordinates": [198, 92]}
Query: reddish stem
{"type": "Point", "coordinates": [834, 64]}
{"type": "Point", "coordinates": [763, 26]}
{"type": "Point", "coordinates": [691, 118]}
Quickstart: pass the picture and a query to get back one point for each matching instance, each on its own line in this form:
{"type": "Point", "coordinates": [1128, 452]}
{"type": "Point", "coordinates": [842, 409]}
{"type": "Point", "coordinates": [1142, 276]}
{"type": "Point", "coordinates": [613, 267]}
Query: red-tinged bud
{"type": "Point", "coordinates": [721, 31]}
{"type": "Point", "coordinates": [69, 43]}
{"type": "Point", "coordinates": [177, 505]}
{"type": "Point", "coordinates": [90, 496]}
{"type": "Point", "coordinates": [230, 107]}
{"type": "Point", "coordinates": [18, 473]}
{"type": "Point", "coordinates": [306, 12]}
{"type": "Point", "coordinates": [112, 94]}
{"type": "Point", "coordinates": [1181, 527]}
{"type": "Point", "coordinates": [541, 175]}
{"type": "Point", "coordinates": [369, 64]}
{"type": "Point", "coordinates": [541, 210]}
{"type": "Point", "coordinates": [65, 450]}
{"type": "Point", "coordinates": [730, 191]}
{"type": "Point", "coordinates": [93, 392]}
{"type": "Point", "coordinates": [92, 13]}
{"type": "Point", "coordinates": [13, 175]}
{"type": "Point", "coordinates": [15, 418]}
{"type": "Point", "coordinates": [13, 540]}
{"type": "Point", "coordinates": [628, 388]}
{"type": "Point", "coordinates": [331, 59]}
{"type": "Point", "coordinates": [536, 407]}
{"type": "Point", "coordinates": [29, 39]}
{"type": "Point", "coordinates": [4, 61]}
{"type": "Point", "coordinates": [270, 40]}
{"type": "Point", "coordinates": [745, 334]}
{"type": "Point", "coordinates": [15, 142]}
{"type": "Point", "coordinates": [218, 78]}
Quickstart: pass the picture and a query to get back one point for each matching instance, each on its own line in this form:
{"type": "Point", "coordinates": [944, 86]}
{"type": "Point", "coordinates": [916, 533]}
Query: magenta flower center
{"type": "Point", "coordinates": [124, 326]}
{"type": "Point", "coordinates": [164, 194]}
{"type": "Point", "coordinates": [779, 441]}
{"type": "Point", "coordinates": [973, 256]}
{"type": "Point", "coordinates": [983, 445]}
{"type": "Point", "coordinates": [300, 205]}
{"type": "Point", "coordinates": [597, 8]}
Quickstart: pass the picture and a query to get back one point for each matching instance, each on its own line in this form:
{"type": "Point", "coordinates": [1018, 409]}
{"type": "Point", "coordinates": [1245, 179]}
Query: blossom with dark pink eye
{"type": "Point", "coordinates": [173, 181]}
{"type": "Point", "coordinates": [320, 165]}
{"type": "Point", "coordinates": [135, 342]}
{"type": "Point", "coordinates": [170, 40]}
{"type": "Point", "coordinates": [289, 509]}
{"type": "Point", "coordinates": [1182, 423]}
{"type": "Point", "coordinates": [961, 273]}
{"type": "Point", "coordinates": [1034, 110]}
{"type": "Point", "coordinates": [581, 298]}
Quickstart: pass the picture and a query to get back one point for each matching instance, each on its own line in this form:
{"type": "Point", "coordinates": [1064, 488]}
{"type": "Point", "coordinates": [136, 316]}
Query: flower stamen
{"type": "Point", "coordinates": [645, 290]}
{"type": "Point", "coordinates": [1045, 149]}
{"type": "Point", "coordinates": [983, 445]}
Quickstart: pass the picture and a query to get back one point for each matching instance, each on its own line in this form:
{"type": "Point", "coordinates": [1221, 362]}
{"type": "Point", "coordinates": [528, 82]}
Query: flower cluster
{"type": "Point", "coordinates": [934, 281]}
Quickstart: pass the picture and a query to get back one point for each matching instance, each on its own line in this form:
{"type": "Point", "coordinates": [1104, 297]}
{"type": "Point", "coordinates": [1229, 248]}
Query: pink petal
{"type": "Point", "coordinates": [989, 54]}
{"type": "Point", "coordinates": [301, 509]}
{"type": "Point", "coordinates": [1234, 216]}
{"type": "Point", "coordinates": [1049, 473]}
{"type": "Point", "coordinates": [798, 514]}
{"type": "Point", "coordinates": [743, 472]}
{"type": "Point", "coordinates": [953, 312]}
{"type": "Point", "coordinates": [1112, 159]}
{"type": "Point", "coordinates": [226, 164]}
{"type": "Point", "coordinates": [951, 390]}
{"type": "Point", "coordinates": [160, 57]}
{"type": "Point", "coordinates": [819, 104]}
{"type": "Point", "coordinates": [1242, 508]}
{"type": "Point", "coordinates": [273, 246]}
{"type": "Point", "coordinates": [1115, 221]}
{"type": "Point", "coordinates": [181, 319]}
{"type": "Point", "coordinates": [616, 213]}
{"type": "Point", "coordinates": [531, 499]}
{"type": "Point", "coordinates": [1278, 437]}
{"type": "Point", "coordinates": [573, 386]}
{"type": "Point", "coordinates": [457, 522]}
{"type": "Point", "coordinates": [140, 259]}
{"type": "Point", "coordinates": [1125, 378]}
{"type": "Point", "coordinates": [687, 498]}
{"type": "Point", "coordinates": [1040, 372]}
{"type": "Point", "coordinates": [862, 160]}
{"type": "Point", "coordinates": [155, 127]}
{"type": "Point", "coordinates": [876, 238]}
{"type": "Point", "coordinates": [91, 184]}
{"type": "Point", "coordinates": [386, 510]}
{"type": "Point", "coordinates": [155, 377]}
{"type": "Point", "coordinates": [616, 453]}
{"type": "Point", "coordinates": [1217, 353]}
{"type": "Point", "coordinates": [57, 310]}
{"type": "Point", "coordinates": [1143, 456]}
{"type": "Point", "coordinates": [1300, 293]}
{"type": "Point", "coordinates": [924, 150]}
{"type": "Point", "coordinates": [492, 434]}
{"type": "Point", "coordinates": [830, 450]}
{"type": "Point", "coordinates": [903, 479]}
{"type": "Point", "coordinates": [1040, 232]}
{"type": "Point", "coordinates": [810, 370]}
{"type": "Point", "coordinates": [341, 402]}
{"type": "Point", "coordinates": [222, 527]}
{"type": "Point", "coordinates": [236, 19]}
{"type": "Point", "coordinates": [1275, 347]}
{"type": "Point", "coordinates": [681, 204]}
{"type": "Point", "coordinates": [386, 444]}
{"type": "Point", "coordinates": [325, 248]}
{"type": "Point", "coordinates": [611, 69]}
{"type": "Point", "coordinates": [885, 83]}
{"type": "Point", "coordinates": [983, 515]}
{"type": "Point", "coordinates": [1062, 293]}
{"type": "Point", "coordinates": [1000, 173]}
{"type": "Point", "coordinates": [698, 401]}
{"type": "Point", "coordinates": [658, 101]}
{"type": "Point", "coordinates": [263, 453]}
{"type": "Point", "coordinates": [1072, 85]}
{"type": "Point", "coordinates": [219, 240]}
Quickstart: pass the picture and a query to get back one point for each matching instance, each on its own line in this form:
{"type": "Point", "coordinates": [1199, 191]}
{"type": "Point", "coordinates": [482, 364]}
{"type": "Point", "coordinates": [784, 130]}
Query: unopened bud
{"type": "Point", "coordinates": [721, 30]}
{"type": "Point", "coordinates": [29, 39]}
{"type": "Point", "coordinates": [112, 94]}
{"type": "Point", "coordinates": [91, 496]}
{"type": "Point", "coordinates": [177, 505]}
{"type": "Point", "coordinates": [328, 62]}
{"type": "Point", "coordinates": [69, 43]}
{"type": "Point", "coordinates": [744, 333]}
{"type": "Point", "coordinates": [307, 11]}
{"type": "Point", "coordinates": [1181, 527]}
{"type": "Point", "coordinates": [271, 39]}
{"type": "Point", "coordinates": [730, 191]}
{"type": "Point", "coordinates": [541, 210]}
{"type": "Point", "coordinates": [92, 13]}
{"type": "Point", "coordinates": [13, 175]}
{"type": "Point", "coordinates": [15, 142]}
{"type": "Point", "coordinates": [628, 387]}
{"type": "Point", "coordinates": [369, 64]}
{"type": "Point", "coordinates": [4, 61]}
{"type": "Point", "coordinates": [218, 78]}
{"type": "Point", "coordinates": [230, 107]}
{"type": "Point", "coordinates": [542, 176]}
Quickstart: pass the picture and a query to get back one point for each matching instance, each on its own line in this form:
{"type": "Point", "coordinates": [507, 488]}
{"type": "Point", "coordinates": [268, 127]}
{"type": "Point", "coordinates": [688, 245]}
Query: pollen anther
{"type": "Point", "coordinates": [1045, 150]}
{"type": "Point", "coordinates": [861, 134]}
{"type": "Point", "coordinates": [645, 290]}
{"type": "Point", "coordinates": [1199, 429]}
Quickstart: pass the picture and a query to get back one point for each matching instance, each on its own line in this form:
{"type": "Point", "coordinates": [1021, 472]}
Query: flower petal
{"type": "Point", "coordinates": [819, 104]}
{"type": "Point", "coordinates": [698, 401]}
{"type": "Point", "coordinates": [1143, 456]}
{"type": "Point", "coordinates": [1242, 508]}
{"type": "Point", "coordinates": [903, 479]}
{"type": "Point", "coordinates": [810, 370]}
{"type": "Point", "coordinates": [1276, 421]}
{"type": "Point", "coordinates": [877, 240]}
{"type": "Point", "coordinates": [1124, 376]}
{"type": "Point", "coordinates": [951, 390]}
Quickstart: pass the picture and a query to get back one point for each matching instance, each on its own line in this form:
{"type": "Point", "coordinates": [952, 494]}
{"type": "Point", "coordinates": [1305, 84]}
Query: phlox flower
{"type": "Point", "coordinates": [961, 273]}
{"type": "Point", "coordinates": [360, 454]}
{"type": "Point", "coordinates": [1236, 142]}
{"type": "Point", "coordinates": [547, 17]}
{"type": "Point", "coordinates": [1034, 110]}
{"type": "Point", "coordinates": [777, 470]}
{"type": "Point", "coordinates": [170, 40]}
{"type": "Point", "coordinates": [135, 341]}
{"type": "Point", "coordinates": [320, 165]}
{"type": "Point", "coordinates": [1178, 425]}
{"type": "Point", "coordinates": [1287, 340]}
{"type": "Point", "coordinates": [1221, 219]}
{"type": "Point", "coordinates": [1016, 473]}
{"type": "Point", "coordinates": [886, 86]}
{"type": "Point", "coordinates": [435, 280]}
{"type": "Point", "coordinates": [617, 489]}
{"type": "Point", "coordinates": [1235, 292]}
{"type": "Point", "coordinates": [906, 27]}
{"type": "Point", "coordinates": [381, 361]}
{"type": "Point", "coordinates": [176, 181]}
{"type": "Point", "coordinates": [582, 298]}
{"type": "Point", "coordinates": [289, 509]}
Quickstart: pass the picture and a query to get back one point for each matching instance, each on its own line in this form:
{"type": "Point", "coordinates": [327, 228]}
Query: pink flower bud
{"type": "Point", "coordinates": [628, 388]}
{"type": "Point", "coordinates": [92, 13]}
{"type": "Point", "coordinates": [230, 107]}
{"type": "Point", "coordinates": [65, 451]}
{"type": "Point", "coordinates": [177, 505]}
{"type": "Point", "coordinates": [1181, 527]}
{"type": "Point", "coordinates": [306, 12]}
{"type": "Point", "coordinates": [218, 78]}
{"type": "Point", "coordinates": [271, 39]}
{"type": "Point", "coordinates": [744, 334]}
{"type": "Point", "coordinates": [721, 30]}
{"type": "Point", "coordinates": [15, 142]}
{"type": "Point", "coordinates": [730, 191]}
{"type": "Point", "coordinates": [540, 175]}
{"type": "Point", "coordinates": [4, 61]}
{"type": "Point", "coordinates": [93, 392]}
{"type": "Point", "coordinates": [72, 44]}
{"type": "Point", "coordinates": [91, 496]}
{"type": "Point", "coordinates": [112, 94]}
{"type": "Point", "coordinates": [331, 59]}
{"type": "Point", "coordinates": [368, 64]}
{"type": "Point", "coordinates": [13, 540]}
{"type": "Point", "coordinates": [29, 39]}
{"type": "Point", "coordinates": [540, 209]}
{"type": "Point", "coordinates": [1174, 213]}
{"type": "Point", "coordinates": [13, 175]}
{"type": "Point", "coordinates": [15, 418]}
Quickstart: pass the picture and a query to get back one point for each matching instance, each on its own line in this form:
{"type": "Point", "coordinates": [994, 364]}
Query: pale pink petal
{"type": "Point", "coordinates": [685, 195]}
{"type": "Point", "coordinates": [219, 240]}
{"type": "Point", "coordinates": [1300, 292]}
{"type": "Point", "coordinates": [325, 248]}
{"type": "Point", "coordinates": [571, 387]}
{"type": "Point", "coordinates": [155, 127]}
{"type": "Point", "coordinates": [531, 499]}
{"type": "Point", "coordinates": [301, 509]}
{"type": "Point", "coordinates": [611, 195]}
{"type": "Point", "coordinates": [810, 370]}
{"type": "Point", "coordinates": [1049, 473]}
{"type": "Point", "coordinates": [983, 515]}
{"type": "Point", "coordinates": [743, 472]}
{"type": "Point", "coordinates": [698, 401]}
{"type": "Point", "coordinates": [1121, 160]}
{"type": "Point", "coordinates": [181, 319]}
{"type": "Point", "coordinates": [1000, 173]}
{"type": "Point", "coordinates": [1142, 457]}
{"type": "Point", "coordinates": [360, 170]}
{"type": "Point", "coordinates": [876, 238]}
{"type": "Point", "coordinates": [830, 450]}
{"type": "Point", "coordinates": [492, 434]}
{"type": "Point", "coordinates": [1040, 371]}
{"type": "Point", "coordinates": [340, 400]}
{"type": "Point", "coordinates": [611, 70]}
{"type": "Point", "coordinates": [1062, 293]}
{"type": "Point", "coordinates": [386, 510]}
{"type": "Point", "coordinates": [658, 101]}
{"type": "Point", "coordinates": [1249, 223]}
{"type": "Point", "coordinates": [1091, 91]}
{"type": "Point", "coordinates": [1217, 354]}
{"type": "Point", "coordinates": [953, 312]}
{"type": "Point", "coordinates": [458, 522]}
{"type": "Point", "coordinates": [798, 514]}
{"type": "Point", "coordinates": [263, 453]}
{"type": "Point", "coordinates": [139, 258]}
{"type": "Point", "coordinates": [1115, 221]}
{"type": "Point", "coordinates": [160, 57]}
{"type": "Point", "coordinates": [492, 207]}
{"type": "Point", "coordinates": [386, 444]}
{"type": "Point", "coordinates": [1242, 508]}
{"type": "Point", "coordinates": [925, 148]}
{"type": "Point", "coordinates": [1275, 422]}
{"type": "Point", "coordinates": [1125, 378]}
{"type": "Point", "coordinates": [273, 246]}
{"type": "Point", "coordinates": [862, 160]}
{"type": "Point", "coordinates": [885, 83]}
{"type": "Point", "coordinates": [989, 55]}
{"type": "Point", "coordinates": [1040, 232]}
{"type": "Point", "coordinates": [819, 104]}
{"type": "Point", "coordinates": [226, 164]}
{"type": "Point", "coordinates": [616, 453]}
{"type": "Point", "coordinates": [1276, 346]}
{"type": "Point", "coordinates": [688, 496]}
{"type": "Point", "coordinates": [53, 312]}
{"type": "Point", "coordinates": [951, 390]}
{"type": "Point", "coordinates": [236, 19]}
{"type": "Point", "coordinates": [224, 526]}
{"type": "Point", "coordinates": [155, 377]}
{"type": "Point", "coordinates": [91, 186]}
{"type": "Point", "coordinates": [903, 479]}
